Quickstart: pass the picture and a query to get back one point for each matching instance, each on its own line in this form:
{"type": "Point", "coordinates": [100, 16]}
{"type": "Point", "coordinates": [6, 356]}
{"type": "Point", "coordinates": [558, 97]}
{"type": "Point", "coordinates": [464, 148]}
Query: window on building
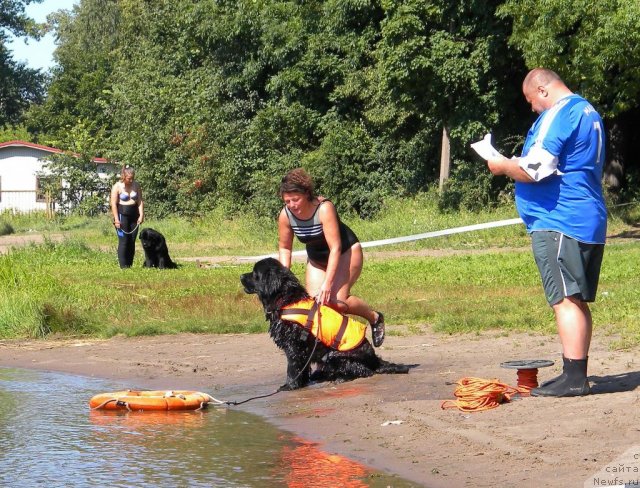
{"type": "Point", "coordinates": [42, 182]}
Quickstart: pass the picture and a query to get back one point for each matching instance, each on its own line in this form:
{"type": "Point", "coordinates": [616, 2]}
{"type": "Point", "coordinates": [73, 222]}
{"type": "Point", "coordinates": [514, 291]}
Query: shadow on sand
{"type": "Point", "coordinates": [615, 383]}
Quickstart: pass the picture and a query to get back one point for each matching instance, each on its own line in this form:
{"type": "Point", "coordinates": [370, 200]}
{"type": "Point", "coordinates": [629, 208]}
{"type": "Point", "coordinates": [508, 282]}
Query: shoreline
{"type": "Point", "coordinates": [529, 442]}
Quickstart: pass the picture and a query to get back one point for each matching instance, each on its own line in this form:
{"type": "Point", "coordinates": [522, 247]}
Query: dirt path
{"type": "Point", "coordinates": [9, 241]}
{"type": "Point", "coordinates": [394, 423]}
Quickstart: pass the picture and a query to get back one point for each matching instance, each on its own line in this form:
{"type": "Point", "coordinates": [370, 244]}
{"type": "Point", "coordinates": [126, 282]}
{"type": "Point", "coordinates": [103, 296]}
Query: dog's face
{"type": "Point", "coordinates": [274, 284]}
{"type": "Point", "coordinates": [150, 238]}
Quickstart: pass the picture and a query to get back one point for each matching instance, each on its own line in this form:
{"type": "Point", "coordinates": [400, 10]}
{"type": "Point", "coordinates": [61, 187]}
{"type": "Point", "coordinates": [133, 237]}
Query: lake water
{"type": "Point", "coordinates": [50, 437]}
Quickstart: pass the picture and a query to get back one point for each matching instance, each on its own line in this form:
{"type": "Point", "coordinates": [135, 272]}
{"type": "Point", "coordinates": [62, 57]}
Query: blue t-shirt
{"type": "Point", "coordinates": [571, 201]}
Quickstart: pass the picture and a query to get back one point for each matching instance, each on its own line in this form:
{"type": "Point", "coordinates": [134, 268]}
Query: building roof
{"type": "Point", "coordinates": [42, 148]}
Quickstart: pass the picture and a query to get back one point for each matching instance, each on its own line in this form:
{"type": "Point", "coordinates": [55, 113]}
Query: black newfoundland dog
{"type": "Point", "coordinates": [156, 253]}
{"type": "Point", "coordinates": [277, 287]}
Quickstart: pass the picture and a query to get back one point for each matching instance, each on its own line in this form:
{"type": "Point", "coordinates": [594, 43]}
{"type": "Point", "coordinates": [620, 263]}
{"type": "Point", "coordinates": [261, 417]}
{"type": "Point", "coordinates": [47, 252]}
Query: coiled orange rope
{"type": "Point", "coordinates": [527, 380]}
{"type": "Point", "coordinates": [477, 394]}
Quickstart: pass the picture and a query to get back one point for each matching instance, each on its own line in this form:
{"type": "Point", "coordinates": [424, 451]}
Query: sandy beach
{"type": "Point", "coordinates": [393, 423]}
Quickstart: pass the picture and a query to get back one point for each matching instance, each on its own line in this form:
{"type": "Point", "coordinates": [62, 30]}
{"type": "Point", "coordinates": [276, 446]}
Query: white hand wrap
{"type": "Point", "coordinates": [539, 163]}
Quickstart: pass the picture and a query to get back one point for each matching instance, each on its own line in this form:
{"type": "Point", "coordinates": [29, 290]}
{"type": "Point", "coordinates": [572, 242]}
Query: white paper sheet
{"type": "Point", "coordinates": [485, 149]}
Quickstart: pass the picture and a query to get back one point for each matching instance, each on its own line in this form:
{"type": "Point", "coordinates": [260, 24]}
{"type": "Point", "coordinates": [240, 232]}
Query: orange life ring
{"type": "Point", "coordinates": [150, 400]}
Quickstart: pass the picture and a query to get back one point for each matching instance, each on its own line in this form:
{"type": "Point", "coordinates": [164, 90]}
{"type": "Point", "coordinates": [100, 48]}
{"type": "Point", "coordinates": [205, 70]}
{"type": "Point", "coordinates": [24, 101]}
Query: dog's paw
{"type": "Point", "coordinates": [285, 387]}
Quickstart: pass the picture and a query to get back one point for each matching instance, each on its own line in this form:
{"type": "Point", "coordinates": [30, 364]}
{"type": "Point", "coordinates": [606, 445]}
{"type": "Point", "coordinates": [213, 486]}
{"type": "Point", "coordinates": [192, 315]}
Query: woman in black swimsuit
{"type": "Point", "coordinates": [128, 213]}
{"type": "Point", "coordinates": [334, 254]}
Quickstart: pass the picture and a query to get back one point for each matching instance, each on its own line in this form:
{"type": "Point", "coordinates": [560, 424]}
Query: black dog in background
{"type": "Point", "coordinates": [156, 253]}
{"type": "Point", "coordinates": [276, 287]}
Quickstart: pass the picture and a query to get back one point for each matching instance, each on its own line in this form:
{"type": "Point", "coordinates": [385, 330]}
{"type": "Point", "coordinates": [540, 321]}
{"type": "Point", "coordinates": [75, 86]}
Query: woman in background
{"type": "Point", "coordinates": [128, 213]}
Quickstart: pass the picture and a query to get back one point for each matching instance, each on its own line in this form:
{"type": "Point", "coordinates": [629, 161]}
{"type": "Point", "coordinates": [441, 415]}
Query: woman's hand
{"type": "Point", "coordinates": [324, 294]}
{"type": "Point", "coordinates": [116, 222]}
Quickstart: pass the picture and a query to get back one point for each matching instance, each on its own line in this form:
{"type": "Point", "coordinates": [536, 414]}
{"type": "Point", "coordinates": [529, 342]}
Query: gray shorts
{"type": "Point", "coordinates": [568, 268]}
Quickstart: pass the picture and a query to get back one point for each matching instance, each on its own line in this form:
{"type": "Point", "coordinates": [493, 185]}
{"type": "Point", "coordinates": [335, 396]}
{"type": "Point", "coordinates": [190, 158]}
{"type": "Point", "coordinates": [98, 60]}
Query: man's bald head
{"type": "Point", "coordinates": [541, 77]}
{"type": "Point", "coordinates": [542, 88]}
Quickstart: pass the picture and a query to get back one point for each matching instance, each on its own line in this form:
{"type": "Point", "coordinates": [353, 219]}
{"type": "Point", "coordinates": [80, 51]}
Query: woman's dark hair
{"type": "Point", "coordinates": [297, 181]}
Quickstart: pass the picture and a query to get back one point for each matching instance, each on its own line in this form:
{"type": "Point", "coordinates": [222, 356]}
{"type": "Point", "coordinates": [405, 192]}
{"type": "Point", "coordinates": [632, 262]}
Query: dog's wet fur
{"type": "Point", "coordinates": [276, 286]}
{"type": "Point", "coordinates": [156, 252]}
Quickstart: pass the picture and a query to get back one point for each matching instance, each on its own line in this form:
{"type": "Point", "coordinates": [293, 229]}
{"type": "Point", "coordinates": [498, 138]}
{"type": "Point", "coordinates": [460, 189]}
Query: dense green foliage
{"type": "Point", "coordinates": [20, 87]}
{"type": "Point", "coordinates": [594, 46]}
{"type": "Point", "coordinates": [15, 133]}
{"type": "Point", "coordinates": [214, 100]}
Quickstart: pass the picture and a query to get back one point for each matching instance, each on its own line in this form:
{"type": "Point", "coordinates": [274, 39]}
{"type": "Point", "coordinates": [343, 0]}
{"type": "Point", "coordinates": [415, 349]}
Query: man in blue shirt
{"type": "Point", "coordinates": [559, 198]}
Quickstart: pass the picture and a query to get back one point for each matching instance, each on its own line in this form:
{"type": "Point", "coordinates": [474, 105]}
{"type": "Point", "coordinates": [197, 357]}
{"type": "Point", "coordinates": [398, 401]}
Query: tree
{"type": "Point", "coordinates": [444, 67]}
{"type": "Point", "coordinates": [225, 97]}
{"type": "Point", "coordinates": [12, 17]}
{"type": "Point", "coordinates": [214, 100]}
{"type": "Point", "coordinates": [80, 87]}
{"type": "Point", "coordinates": [20, 87]}
{"type": "Point", "coordinates": [595, 48]}
{"type": "Point", "coordinates": [14, 133]}
{"type": "Point", "coordinates": [71, 178]}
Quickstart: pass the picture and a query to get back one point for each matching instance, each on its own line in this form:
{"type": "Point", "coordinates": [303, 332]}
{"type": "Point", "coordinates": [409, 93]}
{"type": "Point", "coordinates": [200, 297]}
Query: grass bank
{"type": "Point", "coordinates": [75, 287]}
{"type": "Point", "coordinates": [215, 235]}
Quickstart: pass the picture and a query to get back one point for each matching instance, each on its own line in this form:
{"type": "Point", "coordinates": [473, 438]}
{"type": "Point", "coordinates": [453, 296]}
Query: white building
{"type": "Point", "coordinates": [20, 164]}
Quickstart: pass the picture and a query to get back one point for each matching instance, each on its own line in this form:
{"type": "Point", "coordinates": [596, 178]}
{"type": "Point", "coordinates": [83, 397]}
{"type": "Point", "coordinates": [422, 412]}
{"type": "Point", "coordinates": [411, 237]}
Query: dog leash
{"type": "Point", "coordinates": [315, 344]}
{"type": "Point", "coordinates": [124, 231]}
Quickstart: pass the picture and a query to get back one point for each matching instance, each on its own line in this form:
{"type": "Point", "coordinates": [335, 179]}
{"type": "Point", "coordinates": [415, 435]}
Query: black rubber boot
{"type": "Point", "coordinates": [572, 382]}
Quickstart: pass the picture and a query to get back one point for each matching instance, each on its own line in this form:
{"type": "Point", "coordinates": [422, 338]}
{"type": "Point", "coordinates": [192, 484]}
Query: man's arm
{"type": "Point", "coordinates": [510, 168]}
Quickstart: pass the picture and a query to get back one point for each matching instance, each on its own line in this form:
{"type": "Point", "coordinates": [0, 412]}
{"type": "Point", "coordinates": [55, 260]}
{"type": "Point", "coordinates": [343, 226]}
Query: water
{"type": "Point", "coordinates": [50, 437]}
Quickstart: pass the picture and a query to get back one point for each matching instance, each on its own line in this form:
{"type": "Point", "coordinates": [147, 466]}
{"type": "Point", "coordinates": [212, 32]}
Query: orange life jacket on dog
{"type": "Point", "coordinates": [329, 326]}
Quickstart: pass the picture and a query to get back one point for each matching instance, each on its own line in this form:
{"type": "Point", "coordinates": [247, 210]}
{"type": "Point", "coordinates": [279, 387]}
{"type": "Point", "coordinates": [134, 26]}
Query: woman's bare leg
{"type": "Point", "coordinates": [349, 270]}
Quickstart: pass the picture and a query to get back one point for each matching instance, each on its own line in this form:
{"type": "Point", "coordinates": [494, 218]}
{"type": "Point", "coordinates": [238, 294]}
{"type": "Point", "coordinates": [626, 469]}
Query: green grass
{"type": "Point", "coordinates": [215, 235]}
{"type": "Point", "coordinates": [75, 287]}
{"type": "Point", "coordinates": [70, 289]}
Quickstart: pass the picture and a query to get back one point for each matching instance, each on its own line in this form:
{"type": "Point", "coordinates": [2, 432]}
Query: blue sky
{"type": "Point", "coordinates": [39, 55]}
